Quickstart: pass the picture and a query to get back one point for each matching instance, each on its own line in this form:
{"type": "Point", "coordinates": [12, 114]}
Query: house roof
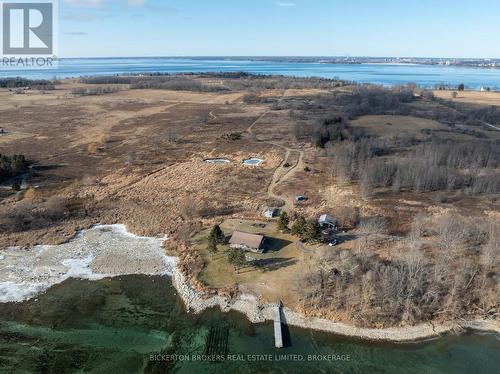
{"type": "Point", "coordinates": [327, 219]}
{"type": "Point", "coordinates": [246, 239]}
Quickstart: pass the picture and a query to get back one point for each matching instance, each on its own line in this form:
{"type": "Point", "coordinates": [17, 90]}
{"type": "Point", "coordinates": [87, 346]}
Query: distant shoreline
{"type": "Point", "coordinates": [479, 62]}
{"type": "Point", "coordinates": [447, 87]}
{"type": "Point", "coordinates": [380, 71]}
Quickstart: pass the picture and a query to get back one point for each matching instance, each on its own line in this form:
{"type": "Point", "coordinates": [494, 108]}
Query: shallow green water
{"type": "Point", "coordinates": [116, 325]}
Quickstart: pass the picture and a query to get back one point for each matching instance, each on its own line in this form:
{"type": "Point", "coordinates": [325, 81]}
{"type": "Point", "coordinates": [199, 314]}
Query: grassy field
{"type": "Point", "coordinates": [390, 126]}
{"type": "Point", "coordinates": [271, 275]}
{"type": "Point", "coordinates": [471, 97]}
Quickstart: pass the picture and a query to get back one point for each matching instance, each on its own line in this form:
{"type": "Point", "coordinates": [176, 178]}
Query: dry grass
{"type": "Point", "coordinates": [389, 126]}
{"type": "Point", "coordinates": [471, 97]}
{"type": "Point", "coordinates": [122, 141]}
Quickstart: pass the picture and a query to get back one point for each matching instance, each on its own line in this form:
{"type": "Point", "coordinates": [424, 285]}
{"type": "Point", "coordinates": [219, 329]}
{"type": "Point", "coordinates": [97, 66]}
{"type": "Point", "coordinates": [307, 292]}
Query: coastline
{"type": "Point", "coordinates": [101, 251]}
{"type": "Point", "coordinates": [259, 313]}
{"type": "Point", "coordinates": [71, 68]}
{"type": "Point", "coordinates": [104, 251]}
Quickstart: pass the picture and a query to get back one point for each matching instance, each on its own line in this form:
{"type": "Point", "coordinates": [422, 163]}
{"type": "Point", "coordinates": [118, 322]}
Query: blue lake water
{"type": "Point", "coordinates": [424, 75]}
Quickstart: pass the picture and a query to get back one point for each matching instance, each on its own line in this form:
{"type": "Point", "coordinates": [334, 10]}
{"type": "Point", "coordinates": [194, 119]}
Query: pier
{"type": "Point", "coordinates": [278, 334]}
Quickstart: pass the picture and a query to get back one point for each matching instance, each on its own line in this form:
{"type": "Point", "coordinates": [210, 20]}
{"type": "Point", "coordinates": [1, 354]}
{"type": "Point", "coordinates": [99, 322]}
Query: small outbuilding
{"type": "Point", "coordinates": [327, 221]}
{"type": "Point", "coordinates": [271, 212]}
{"type": "Point", "coordinates": [247, 241]}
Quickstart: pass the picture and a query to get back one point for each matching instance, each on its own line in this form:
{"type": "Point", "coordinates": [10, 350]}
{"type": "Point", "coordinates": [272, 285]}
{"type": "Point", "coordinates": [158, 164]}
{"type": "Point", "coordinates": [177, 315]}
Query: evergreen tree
{"type": "Point", "coordinates": [299, 226]}
{"type": "Point", "coordinates": [306, 230]}
{"type": "Point", "coordinates": [283, 221]}
{"type": "Point", "coordinates": [212, 245]}
{"type": "Point", "coordinates": [237, 258]}
{"type": "Point", "coordinates": [12, 166]}
{"type": "Point", "coordinates": [311, 231]}
{"type": "Point", "coordinates": [217, 234]}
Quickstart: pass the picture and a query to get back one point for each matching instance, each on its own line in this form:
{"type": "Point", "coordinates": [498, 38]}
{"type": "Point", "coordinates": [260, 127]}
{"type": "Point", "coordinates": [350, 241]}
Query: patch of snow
{"type": "Point", "coordinates": [99, 252]}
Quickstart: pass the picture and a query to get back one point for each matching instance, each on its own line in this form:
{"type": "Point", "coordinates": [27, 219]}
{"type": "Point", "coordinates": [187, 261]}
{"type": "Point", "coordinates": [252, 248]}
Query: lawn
{"type": "Point", "coordinates": [272, 274]}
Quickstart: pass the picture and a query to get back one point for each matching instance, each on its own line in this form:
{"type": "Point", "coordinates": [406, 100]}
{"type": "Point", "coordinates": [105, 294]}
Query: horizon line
{"type": "Point", "coordinates": [283, 56]}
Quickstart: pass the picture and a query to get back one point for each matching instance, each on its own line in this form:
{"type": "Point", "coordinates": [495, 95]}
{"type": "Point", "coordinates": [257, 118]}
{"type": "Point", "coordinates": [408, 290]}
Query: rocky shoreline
{"type": "Point", "coordinates": [257, 313]}
{"type": "Point", "coordinates": [110, 250]}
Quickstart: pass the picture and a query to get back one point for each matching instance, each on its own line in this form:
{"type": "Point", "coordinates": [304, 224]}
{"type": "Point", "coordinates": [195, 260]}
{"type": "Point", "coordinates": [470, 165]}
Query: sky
{"type": "Point", "coordinates": [400, 28]}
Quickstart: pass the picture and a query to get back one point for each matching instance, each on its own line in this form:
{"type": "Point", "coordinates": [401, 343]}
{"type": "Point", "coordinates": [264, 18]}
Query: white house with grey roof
{"type": "Point", "coordinates": [327, 221]}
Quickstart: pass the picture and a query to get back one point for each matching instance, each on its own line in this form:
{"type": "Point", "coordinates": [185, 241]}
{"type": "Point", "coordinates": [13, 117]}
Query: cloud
{"type": "Point", "coordinates": [284, 4]}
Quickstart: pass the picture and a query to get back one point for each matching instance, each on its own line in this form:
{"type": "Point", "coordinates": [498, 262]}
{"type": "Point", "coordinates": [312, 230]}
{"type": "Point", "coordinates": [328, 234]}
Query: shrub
{"type": "Point", "coordinates": [12, 166]}
{"type": "Point", "coordinates": [233, 136]}
{"type": "Point", "coordinates": [283, 221]}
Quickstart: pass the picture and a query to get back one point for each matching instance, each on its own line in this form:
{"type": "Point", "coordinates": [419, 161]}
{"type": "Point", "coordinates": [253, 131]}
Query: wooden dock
{"type": "Point", "coordinates": [278, 334]}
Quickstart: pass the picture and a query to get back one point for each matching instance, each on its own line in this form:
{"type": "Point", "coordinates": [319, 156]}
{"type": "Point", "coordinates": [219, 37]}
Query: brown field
{"type": "Point", "coordinates": [390, 126]}
{"type": "Point", "coordinates": [471, 97]}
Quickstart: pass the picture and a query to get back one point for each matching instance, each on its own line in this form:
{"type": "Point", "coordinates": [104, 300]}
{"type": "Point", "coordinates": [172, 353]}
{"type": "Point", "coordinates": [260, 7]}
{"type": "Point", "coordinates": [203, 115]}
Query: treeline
{"type": "Point", "coordinates": [370, 99]}
{"type": "Point", "coordinates": [95, 91]}
{"type": "Point", "coordinates": [400, 100]}
{"type": "Point", "coordinates": [19, 82]}
{"type": "Point", "coordinates": [229, 81]}
{"type": "Point", "coordinates": [432, 166]}
{"type": "Point", "coordinates": [12, 166]}
{"type": "Point", "coordinates": [265, 81]}
{"type": "Point", "coordinates": [411, 288]}
{"type": "Point", "coordinates": [175, 83]}
{"type": "Point", "coordinates": [333, 129]}
{"type": "Point", "coordinates": [107, 80]}
{"type": "Point", "coordinates": [272, 82]}
{"type": "Point", "coordinates": [156, 81]}
{"type": "Point", "coordinates": [472, 113]}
